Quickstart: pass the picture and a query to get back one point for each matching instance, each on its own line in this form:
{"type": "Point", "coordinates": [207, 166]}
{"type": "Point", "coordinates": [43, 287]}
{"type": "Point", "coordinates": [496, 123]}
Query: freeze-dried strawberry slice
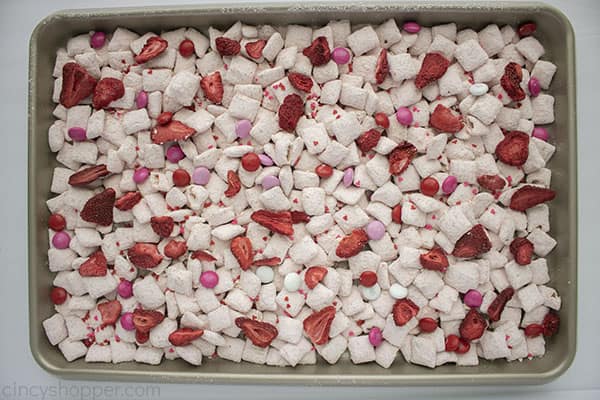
{"type": "Point", "coordinates": [175, 249]}
{"type": "Point", "coordinates": [299, 216]}
{"type": "Point", "coordinates": [435, 260]}
{"type": "Point", "coordinates": [276, 221]}
{"type": "Point", "coordinates": [318, 52]}
{"type": "Point", "coordinates": [164, 118]}
{"type": "Point", "coordinates": [153, 47]}
{"type": "Point", "coordinates": [368, 140]}
{"type": "Point", "coordinates": [227, 47]}
{"type": "Point", "coordinates": [529, 196]}
{"type": "Point", "coordinates": [551, 323]}
{"type": "Point", "coordinates": [162, 226]}
{"type": "Point", "coordinates": [174, 130]}
{"type": "Point", "coordinates": [443, 119]}
{"type": "Point", "coordinates": [318, 324]}
{"type": "Point", "coordinates": [95, 265]}
{"type": "Point", "coordinates": [290, 112]}
{"type": "Point", "coordinates": [434, 66]}
{"type": "Point", "coordinates": [491, 182]}
{"type": "Point", "coordinates": [99, 208]}
{"type": "Point", "coordinates": [314, 275]}
{"type": "Point", "coordinates": [513, 149]}
{"type": "Point", "coordinates": [106, 91]}
{"type": "Point", "coordinates": [511, 81]}
{"type": "Point", "coordinates": [533, 330]}
{"type": "Point", "coordinates": [128, 201]}
{"type": "Point", "coordinates": [241, 247]}
{"type": "Point", "coordinates": [88, 175]}
{"type": "Point", "coordinates": [522, 250]}
{"type": "Point", "coordinates": [144, 320]}
{"type": "Point", "coordinates": [300, 81]}
{"type": "Point", "coordinates": [234, 184]}
{"type": "Point", "coordinates": [267, 262]}
{"type": "Point", "coordinates": [202, 255]}
{"type": "Point", "coordinates": [495, 309]}
{"type": "Point", "coordinates": [382, 67]}
{"type": "Point", "coordinates": [473, 243]}
{"type": "Point", "coordinates": [212, 86]}
{"type": "Point", "coordinates": [401, 157]}
{"type": "Point", "coordinates": [142, 337]}
{"type": "Point", "coordinates": [184, 336]}
{"type": "Point", "coordinates": [403, 311]}
{"type": "Point", "coordinates": [352, 244]}
{"type": "Point", "coordinates": [77, 84]}
{"type": "Point", "coordinates": [472, 326]}
{"type": "Point", "coordinates": [144, 255]}
{"type": "Point", "coordinates": [261, 334]}
{"type": "Point", "coordinates": [255, 49]}
{"type": "Point", "coordinates": [526, 29]}
{"type": "Point", "coordinates": [110, 311]}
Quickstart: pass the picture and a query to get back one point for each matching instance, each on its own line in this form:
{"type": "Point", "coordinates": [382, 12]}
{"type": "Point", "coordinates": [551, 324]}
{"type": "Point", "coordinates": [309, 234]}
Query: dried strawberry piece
{"type": "Point", "coordinates": [77, 84]}
{"type": "Point", "coordinates": [314, 275]}
{"type": "Point", "coordinates": [95, 265]}
{"type": "Point", "coordinates": [299, 216]}
{"type": "Point", "coordinates": [403, 311]}
{"type": "Point", "coordinates": [276, 221]}
{"type": "Point", "coordinates": [352, 244]}
{"type": "Point", "coordinates": [142, 337]}
{"type": "Point", "coordinates": [463, 346]}
{"type": "Point", "coordinates": [290, 112]}
{"type": "Point", "coordinates": [164, 118]}
{"type": "Point", "coordinates": [473, 243]}
{"type": "Point", "coordinates": [202, 255]}
{"type": "Point", "coordinates": [153, 47]}
{"type": "Point", "coordinates": [444, 120]}
{"type": "Point", "coordinates": [511, 81]}
{"type": "Point", "coordinates": [522, 249]}
{"type": "Point", "coordinates": [241, 247]}
{"type": "Point", "coordinates": [227, 47]}
{"type": "Point", "coordinates": [434, 66]}
{"type": "Point", "coordinates": [261, 334]}
{"type": "Point", "coordinates": [491, 182]}
{"type": "Point", "coordinates": [551, 323]}
{"type": "Point", "coordinates": [162, 226]}
{"type": "Point", "coordinates": [529, 196]}
{"type": "Point", "coordinates": [174, 130]}
{"type": "Point", "coordinates": [175, 249]}
{"type": "Point", "coordinates": [267, 262]}
{"type": "Point", "coordinates": [99, 208]}
{"type": "Point", "coordinates": [212, 86]}
{"type": "Point", "coordinates": [472, 326]}
{"type": "Point", "coordinates": [110, 311]}
{"type": "Point", "coordinates": [184, 336]}
{"type": "Point", "coordinates": [513, 149]}
{"type": "Point", "coordinates": [368, 278]}
{"type": "Point", "coordinates": [300, 81]}
{"type": "Point", "coordinates": [397, 214]}
{"type": "Point", "coordinates": [451, 342]}
{"type": "Point", "coordinates": [382, 67]}
{"type": "Point", "coordinates": [255, 49]}
{"type": "Point", "coordinates": [88, 175]}
{"type": "Point", "coordinates": [318, 52]}
{"type": "Point", "coordinates": [318, 324]}
{"type": "Point", "coordinates": [526, 29]}
{"type": "Point", "coordinates": [234, 185]}
{"type": "Point", "coordinates": [144, 320]}
{"type": "Point", "coordinates": [106, 91]}
{"type": "Point", "coordinates": [368, 140]}
{"type": "Point", "coordinates": [534, 330]}
{"type": "Point", "coordinates": [401, 157]}
{"type": "Point", "coordinates": [427, 325]}
{"type": "Point", "coordinates": [144, 255]}
{"type": "Point", "coordinates": [497, 306]}
{"type": "Point", "coordinates": [128, 201]}
{"type": "Point", "coordinates": [435, 260]}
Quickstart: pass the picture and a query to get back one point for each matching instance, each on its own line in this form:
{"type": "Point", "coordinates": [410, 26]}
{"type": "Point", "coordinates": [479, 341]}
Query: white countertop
{"type": "Point", "coordinates": [20, 373]}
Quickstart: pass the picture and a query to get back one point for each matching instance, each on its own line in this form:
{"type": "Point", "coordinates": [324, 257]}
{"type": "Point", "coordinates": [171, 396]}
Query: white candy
{"type": "Point", "coordinates": [265, 274]}
{"type": "Point", "coordinates": [398, 291]}
{"type": "Point", "coordinates": [478, 89]}
{"type": "Point", "coordinates": [371, 293]}
{"type": "Point", "coordinates": [292, 282]}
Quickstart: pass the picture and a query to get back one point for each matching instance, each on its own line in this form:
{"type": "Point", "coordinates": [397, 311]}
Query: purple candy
{"type": "Point", "coordinates": [77, 134]}
{"type": "Point", "coordinates": [127, 321]}
{"type": "Point", "coordinates": [340, 55]}
{"type": "Point", "coordinates": [209, 279]}
{"type": "Point", "coordinates": [201, 176]}
{"type": "Point", "coordinates": [375, 336]}
{"type": "Point", "coordinates": [265, 160]}
{"type": "Point", "coordinates": [242, 128]}
{"type": "Point", "coordinates": [534, 86]}
{"type": "Point", "coordinates": [449, 184]}
{"type": "Point", "coordinates": [61, 240]}
{"type": "Point", "coordinates": [175, 154]}
{"type": "Point", "coordinates": [375, 230]}
{"type": "Point", "coordinates": [540, 133]}
{"type": "Point", "coordinates": [125, 289]}
{"type": "Point", "coordinates": [411, 27]}
{"type": "Point", "coordinates": [473, 298]}
{"type": "Point", "coordinates": [141, 100]}
{"type": "Point", "coordinates": [269, 182]}
{"type": "Point", "coordinates": [141, 174]}
{"type": "Point", "coordinates": [348, 177]}
{"type": "Point", "coordinates": [404, 116]}
{"type": "Point", "coordinates": [97, 40]}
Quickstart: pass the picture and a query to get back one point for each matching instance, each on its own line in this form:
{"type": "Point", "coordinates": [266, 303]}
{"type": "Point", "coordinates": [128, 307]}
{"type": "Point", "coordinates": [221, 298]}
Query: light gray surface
{"type": "Point", "coordinates": [18, 371]}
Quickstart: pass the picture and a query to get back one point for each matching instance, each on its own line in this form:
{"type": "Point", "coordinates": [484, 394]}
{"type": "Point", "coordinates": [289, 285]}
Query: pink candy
{"type": "Point", "coordinates": [411, 27]}
{"type": "Point", "coordinates": [540, 133]}
{"type": "Point", "coordinates": [375, 336]}
{"type": "Point", "coordinates": [175, 154]}
{"type": "Point", "coordinates": [201, 176]}
{"type": "Point", "coordinates": [449, 185]}
{"type": "Point", "coordinates": [125, 289]}
{"type": "Point", "coordinates": [269, 182]}
{"type": "Point", "coordinates": [265, 160]}
{"type": "Point", "coordinates": [209, 279]}
{"type": "Point", "coordinates": [404, 116]}
{"type": "Point", "coordinates": [242, 128]}
{"type": "Point", "coordinates": [348, 177]}
{"type": "Point", "coordinates": [141, 174]}
{"type": "Point", "coordinates": [340, 55]}
{"type": "Point", "coordinates": [473, 298]}
{"type": "Point", "coordinates": [534, 86]}
{"type": "Point", "coordinates": [61, 240]}
{"type": "Point", "coordinates": [77, 134]}
{"type": "Point", "coordinates": [97, 40]}
{"type": "Point", "coordinates": [141, 100]}
{"type": "Point", "coordinates": [127, 321]}
{"type": "Point", "coordinates": [375, 230]}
